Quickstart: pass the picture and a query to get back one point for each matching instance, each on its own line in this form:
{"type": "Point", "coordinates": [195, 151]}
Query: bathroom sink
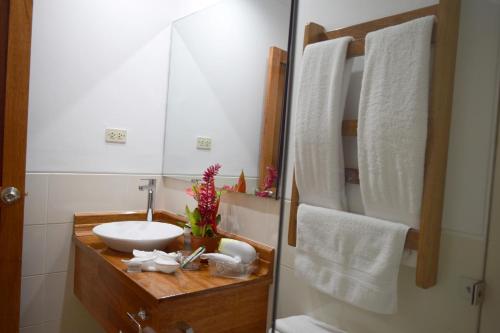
{"type": "Point", "coordinates": [140, 235]}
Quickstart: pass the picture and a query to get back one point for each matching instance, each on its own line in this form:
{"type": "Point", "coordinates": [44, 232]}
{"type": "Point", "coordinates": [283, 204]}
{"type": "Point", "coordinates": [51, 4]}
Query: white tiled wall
{"type": "Point", "coordinates": [47, 301]}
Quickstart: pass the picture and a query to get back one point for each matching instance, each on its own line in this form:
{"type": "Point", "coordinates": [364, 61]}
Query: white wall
{"type": "Point", "coordinates": [217, 84]}
{"type": "Point", "coordinates": [441, 308]}
{"type": "Point", "coordinates": [98, 64]}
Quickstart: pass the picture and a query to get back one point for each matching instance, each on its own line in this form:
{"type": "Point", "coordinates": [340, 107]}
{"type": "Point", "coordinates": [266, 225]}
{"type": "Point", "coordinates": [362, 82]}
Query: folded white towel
{"type": "Point", "coordinates": [319, 160]}
{"type": "Point", "coordinates": [392, 125]}
{"type": "Point", "coordinates": [303, 324]}
{"type": "Point", "coordinates": [351, 257]}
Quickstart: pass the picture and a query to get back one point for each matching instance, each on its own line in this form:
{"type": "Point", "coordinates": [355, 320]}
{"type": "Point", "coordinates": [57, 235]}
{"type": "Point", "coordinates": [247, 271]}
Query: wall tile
{"type": "Point", "coordinates": [33, 329]}
{"type": "Point", "coordinates": [32, 300]}
{"type": "Point", "coordinates": [35, 205]}
{"type": "Point", "coordinates": [250, 216]}
{"type": "Point", "coordinates": [135, 199]}
{"type": "Point", "coordinates": [84, 193]}
{"type": "Point", "coordinates": [55, 287]}
{"type": "Point", "coordinates": [33, 250]}
{"type": "Point", "coordinates": [53, 326]}
{"type": "Point", "coordinates": [172, 195]}
{"type": "Point", "coordinates": [59, 240]}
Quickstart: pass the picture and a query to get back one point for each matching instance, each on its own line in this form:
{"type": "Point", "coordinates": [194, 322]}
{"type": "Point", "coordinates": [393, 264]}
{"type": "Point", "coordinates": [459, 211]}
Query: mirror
{"type": "Point", "coordinates": [226, 94]}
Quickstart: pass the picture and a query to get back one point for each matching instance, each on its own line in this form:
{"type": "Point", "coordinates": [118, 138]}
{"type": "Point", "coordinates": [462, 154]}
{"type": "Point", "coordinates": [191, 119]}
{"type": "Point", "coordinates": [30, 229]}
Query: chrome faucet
{"type": "Point", "coordinates": [151, 187]}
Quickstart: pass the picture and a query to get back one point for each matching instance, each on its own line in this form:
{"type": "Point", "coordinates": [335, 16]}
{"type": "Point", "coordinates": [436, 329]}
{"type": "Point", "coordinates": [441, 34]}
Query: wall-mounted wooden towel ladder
{"type": "Point", "coordinates": [445, 35]}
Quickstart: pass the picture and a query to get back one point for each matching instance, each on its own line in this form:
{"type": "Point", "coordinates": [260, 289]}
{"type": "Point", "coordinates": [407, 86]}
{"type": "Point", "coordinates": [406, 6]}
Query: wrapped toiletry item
{"type": "Point", "coordinates": [238, 249]}
{"type": "Point", "coordinates": [152, 261]}
{"type": "Point", "coordinates": [222, 258]}
{"type": "Point", "coordinates": [227, 266]}
{"type": "Point", "coordinates": [236, 259]}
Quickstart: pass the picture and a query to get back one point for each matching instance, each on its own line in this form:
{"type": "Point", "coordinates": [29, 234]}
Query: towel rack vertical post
{"type": "Point", "coordinates": [441, 99]}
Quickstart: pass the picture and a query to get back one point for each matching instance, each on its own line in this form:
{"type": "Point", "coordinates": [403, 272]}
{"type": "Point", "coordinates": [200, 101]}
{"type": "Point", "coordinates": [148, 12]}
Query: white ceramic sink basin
{"type": "Point", "coordinates": [140, 235]}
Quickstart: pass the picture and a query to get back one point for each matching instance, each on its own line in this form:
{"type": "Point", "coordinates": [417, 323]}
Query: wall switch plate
{"type": "Point", "coordinates": [116, 135]}
{"type": "Point", "coordinates": [204, 143]}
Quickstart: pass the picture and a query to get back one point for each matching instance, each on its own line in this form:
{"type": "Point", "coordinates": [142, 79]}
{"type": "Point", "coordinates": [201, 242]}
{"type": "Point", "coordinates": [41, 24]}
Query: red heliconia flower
{"type": "Point", "coordinates": [208, 198]}
{"type": "Point", "coordinates": [211, 172]}
{"type": "Point", "coordinates": [271, 176]}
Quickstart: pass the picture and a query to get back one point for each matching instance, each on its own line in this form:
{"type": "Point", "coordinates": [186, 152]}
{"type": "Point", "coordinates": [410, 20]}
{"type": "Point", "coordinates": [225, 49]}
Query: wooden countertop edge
{"type": "Point", "coordinates": [84, 222]}
{"type": "Point", "coordinates": [143, 293]}
{"type": "Point", "coordinates": [151, 299]}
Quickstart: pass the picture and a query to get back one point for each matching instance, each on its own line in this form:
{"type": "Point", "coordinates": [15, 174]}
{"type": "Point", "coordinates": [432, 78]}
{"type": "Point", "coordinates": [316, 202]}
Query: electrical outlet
{"type": "Point", "coordinates": [116, 135]}
{"type": "Point", "coordinates": [203, 142]}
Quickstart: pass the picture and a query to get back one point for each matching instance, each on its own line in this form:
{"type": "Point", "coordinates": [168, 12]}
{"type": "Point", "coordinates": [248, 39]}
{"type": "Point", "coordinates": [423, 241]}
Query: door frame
{"type": "Point", "coordinates": [489, 321]}
{"type": "Point", "coordinates": [15, 49]}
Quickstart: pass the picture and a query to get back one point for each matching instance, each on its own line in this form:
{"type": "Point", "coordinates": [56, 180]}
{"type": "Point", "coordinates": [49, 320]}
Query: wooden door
{"type": "Point", "coordinates": [15, 39]}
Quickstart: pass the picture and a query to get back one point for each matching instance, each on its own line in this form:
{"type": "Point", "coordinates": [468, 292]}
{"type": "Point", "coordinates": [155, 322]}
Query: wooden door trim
{"type": "Point", "coordinates": [15, 111]}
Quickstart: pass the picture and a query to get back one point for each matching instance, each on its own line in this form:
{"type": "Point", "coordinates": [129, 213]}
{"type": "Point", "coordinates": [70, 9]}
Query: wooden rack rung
{"type": "Point", "coordinates": [412, 238]}
{"type": "Point", "coordinates": [358, 32]}
{"type": "Point", "coordinates": [349, 128]}
{"type": "Point", "coordinates": [351, 175]}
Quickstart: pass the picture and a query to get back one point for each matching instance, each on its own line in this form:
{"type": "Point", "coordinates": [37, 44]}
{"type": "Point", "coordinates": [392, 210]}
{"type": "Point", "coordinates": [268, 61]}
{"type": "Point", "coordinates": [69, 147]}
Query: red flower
{"type": "Point", "coordinates": [208, 199]}
{"type": "Point", "coordinates": [271, 176]}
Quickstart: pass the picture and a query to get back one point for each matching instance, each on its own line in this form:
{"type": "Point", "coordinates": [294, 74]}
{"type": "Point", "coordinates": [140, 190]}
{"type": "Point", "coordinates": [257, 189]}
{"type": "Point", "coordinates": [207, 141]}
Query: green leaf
{"type": "Point", "coordinates": [193, 218]}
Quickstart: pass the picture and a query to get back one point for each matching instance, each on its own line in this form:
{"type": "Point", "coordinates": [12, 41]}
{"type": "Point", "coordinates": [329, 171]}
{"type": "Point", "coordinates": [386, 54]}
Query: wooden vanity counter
{"type": "Point", "coordinates": [196, 298]}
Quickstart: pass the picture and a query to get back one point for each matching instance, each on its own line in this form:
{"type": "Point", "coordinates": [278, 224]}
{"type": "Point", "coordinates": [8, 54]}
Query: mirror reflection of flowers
{"type": "Point", "coordinates": [269, 183]}
{"type": "Point", "coordinates": [240, 187]}
{"type": "Point", "coordinates": [204, 219]}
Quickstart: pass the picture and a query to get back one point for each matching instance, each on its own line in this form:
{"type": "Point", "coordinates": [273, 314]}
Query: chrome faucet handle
{"type": "Point", "coordinates": [136, 317]}
{"type": "Point", "coordinates": [150, 185]}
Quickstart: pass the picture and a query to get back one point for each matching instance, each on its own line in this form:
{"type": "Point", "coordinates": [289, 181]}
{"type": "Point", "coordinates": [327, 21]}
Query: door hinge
{"type": "Point", "coordinates": [473, 290]}
{"type": "Point", "coordinates": [478, 293]}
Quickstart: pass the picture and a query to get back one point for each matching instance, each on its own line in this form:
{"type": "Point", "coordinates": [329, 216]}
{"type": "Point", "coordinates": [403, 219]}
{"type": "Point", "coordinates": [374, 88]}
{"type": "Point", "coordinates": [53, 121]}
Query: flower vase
{"type": "Point", "coordinates": [211, 244]}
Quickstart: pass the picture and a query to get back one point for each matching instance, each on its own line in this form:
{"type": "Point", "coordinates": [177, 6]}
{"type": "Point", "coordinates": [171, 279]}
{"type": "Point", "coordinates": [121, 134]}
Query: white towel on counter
{"type": "Point", "coordinates": [351, 257]}
{"type": "Point", "coordinates": [303, 324]}
{"type": "Point", "coordinates": [392, 125]}
{"type": "Point", "coordinates": [319, 159]}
